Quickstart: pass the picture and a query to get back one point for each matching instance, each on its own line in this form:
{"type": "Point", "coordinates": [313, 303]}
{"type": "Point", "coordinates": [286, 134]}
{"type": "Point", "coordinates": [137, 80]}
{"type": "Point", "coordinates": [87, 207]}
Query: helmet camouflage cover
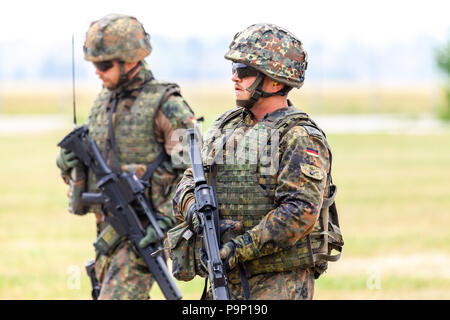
{"type": "Point", "coordinates": [116, 37]}
{"type": "Point", "coordinates": [271, 50]}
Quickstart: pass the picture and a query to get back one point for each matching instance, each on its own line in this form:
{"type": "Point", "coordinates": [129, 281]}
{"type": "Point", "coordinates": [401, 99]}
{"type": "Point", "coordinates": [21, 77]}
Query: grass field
{"type": "Point", "coordinates": [393, 201]}
{"type": "Point", "coordinates": [331, 99]}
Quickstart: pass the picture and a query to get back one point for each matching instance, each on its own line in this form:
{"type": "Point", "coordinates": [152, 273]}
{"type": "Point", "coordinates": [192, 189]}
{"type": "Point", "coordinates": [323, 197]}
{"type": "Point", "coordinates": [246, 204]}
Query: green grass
{"type": "Point", "coordinates": [393, 200]}
{"type": "Point", "coordinates": [212, 100]}
{"type": "Point", "coordinates": [391, 283]}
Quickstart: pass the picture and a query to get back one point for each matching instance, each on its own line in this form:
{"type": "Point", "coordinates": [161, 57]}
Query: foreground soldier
{"type": "Point", "coordinates": [271, 172]}
{"type": "Point", "coordinates": [132, 121]}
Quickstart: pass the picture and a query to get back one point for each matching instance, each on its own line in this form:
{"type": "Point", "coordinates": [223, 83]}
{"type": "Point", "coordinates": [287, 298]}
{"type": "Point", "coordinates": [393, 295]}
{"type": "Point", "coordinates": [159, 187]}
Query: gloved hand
{"type": "Point", "coordinates": [192, 218]}
{"type": "Point", "coordinates": [230, 229]}
{"type": "Point", "coordinates": [228, 255]}
{"type": "Point", "coordinates": [238, 249]}
{"type": "Point", "coordinates": [151, 237]}
{"type": "Point", "coordinates": [66, 160]}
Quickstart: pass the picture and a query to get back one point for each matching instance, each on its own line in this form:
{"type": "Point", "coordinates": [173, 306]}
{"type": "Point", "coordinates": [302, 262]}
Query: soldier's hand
{"type": "Point", "coordinates": [230, 229]}
{"type": "Point", "coordinates": [138, 169]}
{"type": "Point", "coordinates": [151, 236]}
{"type": "Point", "coordinates": [66, 160]}
{"type": "Point", "coordinates": [192, 218]}
{"type": "Point", "coordinates": [228, 255]}
{"type": "Point", "coordinates": [239, 249]}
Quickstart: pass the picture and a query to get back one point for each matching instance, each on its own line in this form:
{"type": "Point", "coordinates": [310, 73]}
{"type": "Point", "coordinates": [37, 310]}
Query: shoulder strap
{"type": "Point", "coordinates": [230, 115]}
{"type": "Point", "coordinates": [169, 90]}
{"type": "Point", "coordinates": [155, 164]}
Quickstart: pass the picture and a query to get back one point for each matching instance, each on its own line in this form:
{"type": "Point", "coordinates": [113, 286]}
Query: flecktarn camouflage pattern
{"type": "Point", "coordinates": [271, 180]}
{"type": "Point", "coordinates": [126, 277]}
{"type": "Point", "coordinates": [122, 272]}
{"type": "Point", "coordinates": [116, 36]}
{"type": "Point", "coordinates": [272, 50]}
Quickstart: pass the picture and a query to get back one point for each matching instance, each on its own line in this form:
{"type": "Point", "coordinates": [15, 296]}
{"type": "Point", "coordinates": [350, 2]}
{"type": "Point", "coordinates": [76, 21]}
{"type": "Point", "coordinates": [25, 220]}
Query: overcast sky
{"type": "Point", "coordinates": [387, 33]}
{"type": "Point", "coordinates": [375, 22]}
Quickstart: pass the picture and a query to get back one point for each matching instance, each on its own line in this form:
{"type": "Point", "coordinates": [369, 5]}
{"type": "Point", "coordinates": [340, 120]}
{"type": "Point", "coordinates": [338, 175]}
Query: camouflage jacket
{"type": "Point", "coordinates": [278, 203]}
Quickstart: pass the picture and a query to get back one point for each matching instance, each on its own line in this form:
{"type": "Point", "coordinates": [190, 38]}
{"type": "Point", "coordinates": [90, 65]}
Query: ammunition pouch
{"type": "Point", "coordinates": [107, 240]}
{"type": "Point", "coordinates": [313, 251]}
{"type": "Point", "coordinates": [327, 233]}
{"type": "Point", "coordinates": [184, 251]}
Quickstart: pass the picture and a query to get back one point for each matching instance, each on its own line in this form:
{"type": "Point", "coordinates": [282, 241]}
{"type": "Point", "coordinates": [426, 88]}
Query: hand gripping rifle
{"type": "Point", "coordinates": [120, 194]}
{"type": "Point", "coordinates": [207, 211]}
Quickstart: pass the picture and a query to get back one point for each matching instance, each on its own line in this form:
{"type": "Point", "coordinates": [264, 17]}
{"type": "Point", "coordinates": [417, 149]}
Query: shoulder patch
{"type": "Point", "coordinates": [312, 171]}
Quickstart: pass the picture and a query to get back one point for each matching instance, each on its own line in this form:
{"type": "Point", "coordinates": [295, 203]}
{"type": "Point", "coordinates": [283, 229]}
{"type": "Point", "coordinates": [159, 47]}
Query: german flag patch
{"type": "Point", "coordinates": [312, 152]}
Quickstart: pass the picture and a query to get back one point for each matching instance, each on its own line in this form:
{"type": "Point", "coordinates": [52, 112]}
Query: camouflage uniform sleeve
{"type": "Point", "coordinates": [184, 195]}
{"type": "Point", "coordinates": [302, 176]}
{"type": "Point", "coordinates": [178, 117]}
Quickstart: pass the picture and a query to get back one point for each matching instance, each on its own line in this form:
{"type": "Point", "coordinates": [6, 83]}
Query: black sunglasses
{"type": "Point", "coordinates": [104, 65]}
{"type": "Point", "coordinates": [243, 70]}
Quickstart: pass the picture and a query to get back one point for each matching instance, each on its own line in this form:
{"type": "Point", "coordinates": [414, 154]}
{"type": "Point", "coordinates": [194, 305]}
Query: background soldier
{"type": "Point", "coordinates": [131, 120]}
{"type": "Point", "coordinates": [271, 190]}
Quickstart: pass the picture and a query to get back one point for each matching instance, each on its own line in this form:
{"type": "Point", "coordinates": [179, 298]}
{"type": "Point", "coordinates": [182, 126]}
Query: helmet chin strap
{"type": "Point", "coordinates": [125, 76]}
{"type": "Point", "coordinates": [257, 92]}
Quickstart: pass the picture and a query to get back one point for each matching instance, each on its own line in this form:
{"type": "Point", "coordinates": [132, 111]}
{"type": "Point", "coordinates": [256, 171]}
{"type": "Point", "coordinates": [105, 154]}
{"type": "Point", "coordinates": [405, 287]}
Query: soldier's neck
{"type": "Point", "coordinates": [268, 105]}
{"type": "Point", "coordinates": [135, 80]}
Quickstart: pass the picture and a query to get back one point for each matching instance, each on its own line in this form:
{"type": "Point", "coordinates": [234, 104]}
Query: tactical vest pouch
{"type": "Point", "coordinates": [107, 241]}
{"type": "Point", "coordinates": [297, 256]}
{"type": "Point", "coordinates": [327, 234]}
{"type": "Point", "coordinates": [77, 185]}
{"type": "Point", "coordinates": [184, 247]}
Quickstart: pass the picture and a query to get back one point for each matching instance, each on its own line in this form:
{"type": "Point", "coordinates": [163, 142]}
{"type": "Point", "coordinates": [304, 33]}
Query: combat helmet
{"type": "Point", "coordinates": [116, 37]}
{"type": "Point", "coordinates": [272, 50]}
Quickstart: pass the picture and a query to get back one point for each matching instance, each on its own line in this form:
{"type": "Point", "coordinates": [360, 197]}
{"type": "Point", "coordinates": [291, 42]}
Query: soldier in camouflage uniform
{"type": "Point", "coordinates": [270, 165]}
{"type": "Point", "coordinates": [132, 121]}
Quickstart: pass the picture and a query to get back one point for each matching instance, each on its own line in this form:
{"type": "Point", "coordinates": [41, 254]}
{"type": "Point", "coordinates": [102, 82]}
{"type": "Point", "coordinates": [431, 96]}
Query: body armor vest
{"type": "Point", "coordinates": [245, 193]}
{"type": "Point", "coordinates": [135, 141]}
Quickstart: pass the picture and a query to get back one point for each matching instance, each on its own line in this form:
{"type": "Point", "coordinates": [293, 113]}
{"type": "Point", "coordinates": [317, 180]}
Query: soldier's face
{"type": "Point", "coordinates": [110, 77]}
{"type": "Point", "coordinates": [240, 84]}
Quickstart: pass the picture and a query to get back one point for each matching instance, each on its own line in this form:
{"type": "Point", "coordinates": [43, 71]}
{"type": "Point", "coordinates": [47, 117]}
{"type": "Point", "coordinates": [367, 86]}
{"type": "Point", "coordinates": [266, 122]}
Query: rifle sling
{"type": "Point", "coordinates": [155, 164]}
{"type": "Point", "coordinates": [110, 142]}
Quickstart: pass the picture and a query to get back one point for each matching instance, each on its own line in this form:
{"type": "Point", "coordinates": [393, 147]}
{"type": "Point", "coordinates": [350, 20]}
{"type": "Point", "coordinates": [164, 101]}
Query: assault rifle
{"type": "Point", "coordinates": [208, 215]}
{"type": "Point", "coordinates": [120, 194]}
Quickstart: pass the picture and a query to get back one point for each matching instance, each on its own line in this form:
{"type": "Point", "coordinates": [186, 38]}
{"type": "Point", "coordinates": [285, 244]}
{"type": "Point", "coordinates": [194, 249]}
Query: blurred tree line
{"type": "Point", "coordinates": [443, 62]}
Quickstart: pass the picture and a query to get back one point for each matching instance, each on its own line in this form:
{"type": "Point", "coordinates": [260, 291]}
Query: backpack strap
{"type": "Point", "coordinates": [230, 115]}
{"type": "Point", "coordinates": [170, 90]}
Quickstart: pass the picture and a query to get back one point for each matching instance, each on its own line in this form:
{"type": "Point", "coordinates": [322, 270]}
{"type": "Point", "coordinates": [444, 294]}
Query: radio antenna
{"type": "Point", "coordinates": [73, 84]}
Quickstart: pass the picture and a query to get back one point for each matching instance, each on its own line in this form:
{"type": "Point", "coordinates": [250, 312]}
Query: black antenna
{"type": "Point", "coordinates": [73, 84]}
